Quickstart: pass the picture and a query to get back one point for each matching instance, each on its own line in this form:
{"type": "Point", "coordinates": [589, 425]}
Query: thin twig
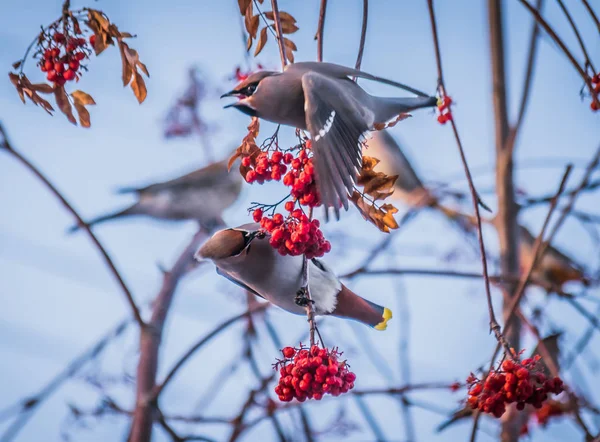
{"type": "Point", "coordinates": [592, 13]}
{"type": "Point", "coordinates": [107, 259]}
{"type": "Point", "coordinates": [277, 20]}
{"type": "Point", "coordinates": [475, 197]}
{"type": "Point", "coordinates": [363, 35]}
{"type": "Point", "coordinates": [529, 71]}
{"type": "Point", "coordinates": [563, 47]}
{"type": "Point", "coordinates": [320, 29]}
{"type": "Point", "coordinates": [588, 60]}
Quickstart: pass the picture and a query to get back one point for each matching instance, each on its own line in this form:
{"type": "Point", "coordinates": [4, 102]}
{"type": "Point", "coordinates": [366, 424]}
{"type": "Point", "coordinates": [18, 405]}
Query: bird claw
{"type": "Point", "coordinates": [302, 298]}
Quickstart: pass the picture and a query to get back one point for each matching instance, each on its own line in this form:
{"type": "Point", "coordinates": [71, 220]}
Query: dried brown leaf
{"type": "Point", "coordinates": [289, 54]}
{"type": "Point", "coordinates": [262, 40]}
{"type": "Point", "coordinates": [126, 35]}
{"type": "Point", "coordinates": [127, 71]}
{"type": "Point", "coordinates": [83, 97]}
{"type": "Point", "coordinates": [400, 117]}
{"type": "Point", "coordinates": [283, 17]}
{"type": "Point", "coordinates": [62, 100]}
{"type": "Point", "coordinates": [382, 217]}
{"type": "Point", "coordinates": [244, 4]}
{"type": "Point", "coordinates": [44, 88]}
{"type": "Point", "coordinates": [249, 43]}
{"type": "Point", "coordinates": [288, 27]}
{"type": "Point", "coordinates": [16, 64]}
{"type": "Point", "coordinates": [139, 87]}
{"type": "Point", "coordinates": [253, 25]}
{"type": "Point", "coordinates": [99, 17]}
{"type": "Point", "coordinates": [289, 44]}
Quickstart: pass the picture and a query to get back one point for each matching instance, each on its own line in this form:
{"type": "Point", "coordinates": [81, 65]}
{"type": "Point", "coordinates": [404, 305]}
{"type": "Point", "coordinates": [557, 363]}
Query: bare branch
{"type": "Point", "coordinates": [363, 34]}
{"type": "Point", "coordinates": [107, 259]}
{"type": "Point", "coordinates": [592, 13]}
{"type": "Point", "coordinates": [278, 31]}
{"type": "Point", "coordinates": [588, 60]}
{"type": "Point", "coordinates": [320, 29]}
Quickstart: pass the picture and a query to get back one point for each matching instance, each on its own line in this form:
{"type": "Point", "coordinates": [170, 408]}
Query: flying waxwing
{"type": "Point", "coordinates": [408, 189]}
{"type": "Point", "coordinates": [321, 98]}
{"type": "Point", "coordinates": [554, 267]}
{"type": "Point", "coordinates": [201, 195]}
{"type": "Point", "coordinates": [244, 256]}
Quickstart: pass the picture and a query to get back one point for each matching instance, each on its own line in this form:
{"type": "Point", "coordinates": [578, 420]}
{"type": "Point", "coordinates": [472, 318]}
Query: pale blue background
{"type": "Point", "coordinates": [58, 298]}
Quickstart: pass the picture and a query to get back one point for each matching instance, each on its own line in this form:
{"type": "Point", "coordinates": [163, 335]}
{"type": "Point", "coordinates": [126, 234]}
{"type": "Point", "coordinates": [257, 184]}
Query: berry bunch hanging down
{"type": "Point", "coordinates": [514, 381]}
{"type": "Point", "coordinates": [62, 50]}
{"type": "Point", "coordinates": [312, 373]}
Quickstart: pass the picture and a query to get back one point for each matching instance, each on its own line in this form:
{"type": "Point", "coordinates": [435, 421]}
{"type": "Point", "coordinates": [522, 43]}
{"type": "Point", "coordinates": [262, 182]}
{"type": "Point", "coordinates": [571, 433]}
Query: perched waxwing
{"type": "Point", "coordinates": [244, 256]}
{"type": "Point", "coordinates": [409, 188]}
{"type": "Point", "coordinates": [554, 267]}
{"type": "Point", "coordinates": [201, 195]}
{"type": "Point", "coordinates": [321, 98]}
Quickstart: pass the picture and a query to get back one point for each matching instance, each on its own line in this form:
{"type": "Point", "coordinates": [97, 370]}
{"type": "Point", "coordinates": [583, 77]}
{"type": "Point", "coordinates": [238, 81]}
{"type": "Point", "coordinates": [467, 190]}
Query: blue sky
{"type": "Point", "coordinates": [58, 297]}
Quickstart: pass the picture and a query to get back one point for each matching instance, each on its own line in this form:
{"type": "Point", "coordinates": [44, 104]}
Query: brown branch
{"type": "Point", "coordinates": [562, 46]}
{"type": "Point", "coordinates": [216, 331]}
{"type": "Point", "coordinates": [107, 259]}
{"type": "Point", "coordinates": [320, 29]}
{"type": "Point", "coordinates": [592, 13]}
{"type": "Point", "coordinates": [529, 71]}
{"type": "Point", "coordinates": [506, 217]}
{"type": "Point", "coordinates": [363, 34]}
{"type": "Point", "coordinates": [475, 197]}
{"type": "Point", "coordinates": [588, 60]}
{"type": "Point", "coordinates": [278, 31]}
{"type": "Point", "coordinates": [146, 410]}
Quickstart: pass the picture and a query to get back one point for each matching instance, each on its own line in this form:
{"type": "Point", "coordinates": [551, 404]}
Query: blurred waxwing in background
{"type": "Point", "coordinates": [244, 256]}
{"type": "Point", "coordinates": [201, 195]}
{"type": "Point", "coordinates": [409, 188]}
{"type": "Point", "coordinates": [554, 267]}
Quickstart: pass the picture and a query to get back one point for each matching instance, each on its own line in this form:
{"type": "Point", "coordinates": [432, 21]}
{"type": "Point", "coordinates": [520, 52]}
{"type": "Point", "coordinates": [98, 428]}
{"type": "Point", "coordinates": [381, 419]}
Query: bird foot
{"type": "Point", "coordinates": [302, 298]}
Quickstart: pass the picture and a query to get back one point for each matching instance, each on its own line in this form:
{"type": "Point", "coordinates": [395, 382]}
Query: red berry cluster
{"type": "Point", "coordinates": [241, 75]}
{"type": "Point", "coordinates": [596, 82]}
{"type": "Point", "coordinates": [295, 235]}
{"type": "Point", "coordinates": [310, 374]}
{"type": "Point", "coordinates": [548, 410]}
{"type": "Point", "coordinates": [444, 108]}
{"type": "Point", "coordinates": [61, 60]}
{"type": "Point", "coordinates": [266, 168]}
{"type": "Point", "coordinates": [515, 381]}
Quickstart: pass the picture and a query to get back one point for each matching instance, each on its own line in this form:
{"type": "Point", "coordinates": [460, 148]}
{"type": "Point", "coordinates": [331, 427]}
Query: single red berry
{"type": "Point", "coordinates": [250, 176]}
{"type": "Point", "coordinates": [55, 52]}
{"type": "Point", "coordinates": [74, 64]}
{"type": "Point", "coordinates": [69, 75]}
{"type": "Point", "coordinates": [59, 37]}
{"type": "Point", "coordinates": [59, 67]}
{"type": "Point", "coordinates": [442, 119]}
{"type": "Point", "coordinates": [246, 161]}
{"type": "Point", "coordinates": [595, 105]}
{"type": "Point", "coordinates": [289, 206]}
{"type": "Point", "coordinates": [277, 156]}
{"type": "Point", "coordinates": [79, 56]}
{"type": "Point", "coordinates": [93, 40]}
{"type": "Point", "coordinates": [51, 76]}
{"type": "Point", "coordinates": [258, 213]}
{"type": "Point", "coordinates": [522, 373]}
{"type": "Point", "coordinates": [70, 47]}
{"type": "Point", "coordinates": [48, 65]}
{"type": "Point", "coordinates": [508, 365]}
{"type": "Point", "coordinates": [288, 352]}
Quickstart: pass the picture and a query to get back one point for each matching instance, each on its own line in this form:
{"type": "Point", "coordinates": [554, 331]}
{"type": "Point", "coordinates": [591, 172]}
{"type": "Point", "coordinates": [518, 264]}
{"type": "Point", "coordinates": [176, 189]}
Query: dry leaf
{"type": "Point", "coordinates": [44, 88]}
{"type": "Point", "coordinates": [262, 40]}
{"type": "Point", "coordinates": [249, 43]}
{"type": "Point", "coordinates": [283, 17]}
{"type": "Point", "coordinates": [288, 27]}
{"type": "Point", "coordinates": [126, 67]}
{"type": "Point", "coordinates": [16, 64]}
{"type": "Point", "coordinates": [80, 100]}
{"type": "Point", "coordinates": [139, 87]}
{"type": "Point", "coordinates": [83, 97]}
{"type": "Point", "coordinates": [289, 44]}
{"type": "Point", "coordinates": [377, 185]}
{"type": "Point", "coordinates": [381, 126]}
{"type": "Point", "coordinates": [62, 100]}
{"type": "Point", "coordinates": [289, 54]}
{"type": "Point", "coordinates": [253, 25]}
{"type": "Point", "coordinates": [243, 4]}
{"type": "Point", "coordinates": [382, 217]}
{"type": "Point", "coordinates": [248, 148]}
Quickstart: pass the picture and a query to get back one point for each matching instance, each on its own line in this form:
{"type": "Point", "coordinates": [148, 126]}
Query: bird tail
{"type": "Point", "coordinates": [390, 107]}
{"type": "Point", "coordinates": [350, 305]}
{"type": "Point", "coordinates": [100, 219]}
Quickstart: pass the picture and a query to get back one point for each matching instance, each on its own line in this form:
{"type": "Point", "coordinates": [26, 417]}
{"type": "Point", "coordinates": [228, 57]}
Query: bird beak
{"type": "Point", "coordinates": [231, 93]}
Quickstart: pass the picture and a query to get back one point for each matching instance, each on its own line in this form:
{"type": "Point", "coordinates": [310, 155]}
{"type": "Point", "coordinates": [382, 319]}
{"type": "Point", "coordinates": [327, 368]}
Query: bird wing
{"type": "Point", "coordinates": [238, 283]}
{"type": "Point", "coordinates": [336, 122]}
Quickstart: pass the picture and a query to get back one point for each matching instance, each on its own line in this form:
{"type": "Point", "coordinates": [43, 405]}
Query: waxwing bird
{"type": "Point", "coordinates": [409, 188]}
{"type": "Point", "coordinates": [201, 195]}
{"type": "Point", "coordinates": [321, 98]}
{"type": "Point", "coordinates": [244, 256]}
{"type": "Point", "coordinates": [554, 267]}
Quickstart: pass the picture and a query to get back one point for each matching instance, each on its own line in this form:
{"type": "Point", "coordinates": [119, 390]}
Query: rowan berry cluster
{"type": "Point", "coordinates": [444, 108]}
{"type": "Point", "coordinates": [520, 382]}
{"type": "Point", "coordinates": [311, 374]}
{"type": "Point", "coordinates": [294, 234]}
{"type": "Point", "coordinates": [596, 82]}
{"type": "Point", "coordinates": [548, 410]}
{"type": "Point", "coordinates": [62, 56]}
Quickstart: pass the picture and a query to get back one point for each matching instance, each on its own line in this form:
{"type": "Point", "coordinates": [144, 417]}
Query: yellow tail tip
{"type": "Point", "coordinates": [387, 315]}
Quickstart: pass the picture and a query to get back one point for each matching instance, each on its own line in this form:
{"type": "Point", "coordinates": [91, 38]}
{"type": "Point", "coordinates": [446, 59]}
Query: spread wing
{"type": "Point", "coordinates": [336, 122]}
{"type": "Point", "coordinates": [238, 283]}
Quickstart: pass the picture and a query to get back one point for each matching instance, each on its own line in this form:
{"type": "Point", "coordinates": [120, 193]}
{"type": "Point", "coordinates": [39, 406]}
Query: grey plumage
{"type": "Point", "coordinates": [244, 256]}
{"type": "Point", "coordinates": [200, 195]}
{"type": "Point", "coordinates": [321, 98]}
